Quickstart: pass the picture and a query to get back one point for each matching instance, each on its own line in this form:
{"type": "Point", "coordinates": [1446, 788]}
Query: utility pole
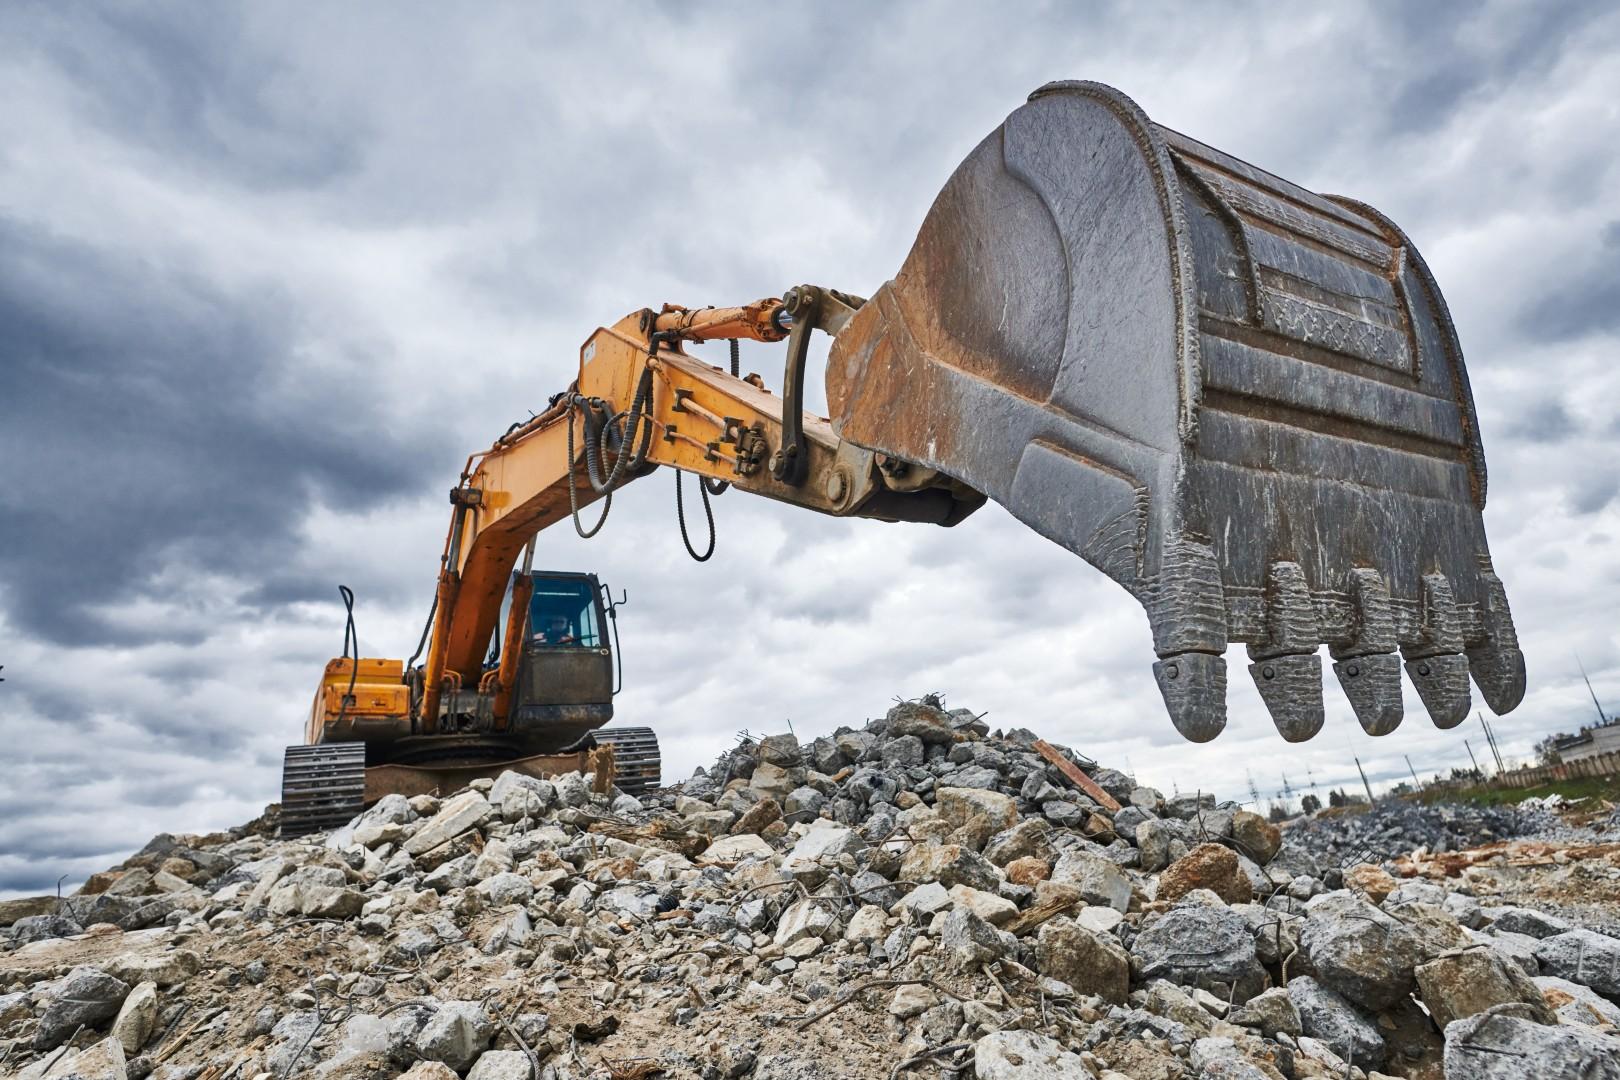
{"type": "Point", "coordinates": [1602, 720]}
{"type": "Point", "coordinates": [1490, 742]}
{"type": "Point", "coordinates": [1416, 786]}
{"type": "Point", "coordinates": [1254, 792]}
{"type": "Point", "coordinates": [1495, 747]}
{"type": "Point", "coordinates": [1364, 783]}
{"type": "Point", "coordinates": [1474, 759]}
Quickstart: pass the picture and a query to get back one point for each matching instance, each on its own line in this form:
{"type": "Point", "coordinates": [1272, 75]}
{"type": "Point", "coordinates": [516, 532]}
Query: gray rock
{"type": "Point", "coordinates": [1465, 909]}
{"type": "Point", "coordinates": [102, 1061]}
{"type": "Point", "coordinates": [456, 1034]}
{"type": "Point", "coordinates": [1458, 985]}
{"type": "Point", "coordinates": [868, 785]}
{"type": "Point", "coordinates": [634, 901]}
{"type": "Point", "coordinates": [1091, 963]}
{"type": "Point", "coordinates": [903, 752]}
{"type": "Point", "coordinates": [1031, 837]}
{"type": "Point", "coordinates": [975, 776]}
{"type": "Point", "coordinates": [1526, 921]}
{"type": "Point", "coordinates": [826, 757]}
{"type": "Point", "coordinates": [781, 750]}
{"type": "Point", "coordinates": [1330, 1017]}
{"type": "Point", "coordinates": [466, 811]}
{"type": "Point", "coordinates": [968, 941]}
{"type": "Point", "coordinates": [803, 803]}
{"type": "Point", "coordinates": [1503, 1043]}
{"type": "Point", "coordinates": [572, 791]}
{"type": "Point", "coordinates": [1270, 1012]}
{"type": "Point", "coordinates": [1098, 878]}
{"type": "Point", "coordinates": [501, 1065]}
{"type": "Point", "coordinates": [1584, 957]}
{"type": "Point", "coordinates": [1127, 820]}
{"type": "Point", "coordinates": [136, 1018]}
{"type": "Point", "coordinates": [507, 888]}
{"type": "Point", "coordinates": [31, 928]}
{"type": "Point", "coordinates": [806, 919]}
{"type": "Point", "coordinates": [1360, 951]}
{"type": "Point", "coordinates": [927, 723]}
{"type": "Point", "coordinates": [1153, 840]}
{"type": "Point", "coordinates": [950, 864]}
{"type": "Point", "coordinates": [86, 996]}
{"type": "Point", "coordinates": [1185, 807]}
{"type": "Point", "coordinates": [1024, 1055]}
{"type": "Point", "coordinates": [854, 745]}
{"type": "Point", "coordinates": [1515, 947]}
{"type": "Point", "coordinates": [1573, 1003]}
{"type": "Point", "coordinates": [1197, 944]}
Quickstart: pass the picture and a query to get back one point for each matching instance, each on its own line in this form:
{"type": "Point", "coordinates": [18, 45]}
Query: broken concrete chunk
{"type": "Point", "coordinates": [1025, 1055]}
{"type": "Point", "coordinates": [1505, 1043]}
{"type": "Point", "coordinates": [1457, 986]}
{"type": "Point", "coordinates": [466, 811]}
{"type": "Point", "coordinates": [1360, 951]}
{"type": "Point", "coordinates": [1090, 962]}
{"type": "Point", "coordinates": [86, 996]}
{"type": "Point", "coordinates": [1098, 878]}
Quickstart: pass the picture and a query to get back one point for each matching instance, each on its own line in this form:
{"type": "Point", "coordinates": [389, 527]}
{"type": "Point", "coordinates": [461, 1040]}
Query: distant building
{"type": "Point", "coordinates": [1589, 743]}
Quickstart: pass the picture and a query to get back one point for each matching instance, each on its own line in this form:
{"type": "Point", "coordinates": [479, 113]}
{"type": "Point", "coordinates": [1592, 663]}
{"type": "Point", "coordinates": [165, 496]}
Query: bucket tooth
{"type": "Point", "coordinates": [1369, 672]}
{"type": "Point", "coordinates": [1442, 683]}
{"type": "Point", "coordinates": [1435, 664]}
{"type": "Point", "coordinates": [1286, 669]}
{"type": "Point", "coordinates": [1373, 685]}
{"type": "Point", "coordinates": [1497, 664]}
{"type": "Point", "coordinates": [1291, 687]}
{"type": "Point", "coordinates": [1194, 689]}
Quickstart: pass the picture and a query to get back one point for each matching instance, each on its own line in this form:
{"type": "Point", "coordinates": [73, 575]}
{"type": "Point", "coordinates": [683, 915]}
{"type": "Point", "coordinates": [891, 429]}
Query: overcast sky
{"type": "Point", "coordinates": [266, 278]}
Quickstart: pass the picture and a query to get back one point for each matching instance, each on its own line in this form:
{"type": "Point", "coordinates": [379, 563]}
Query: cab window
{"type": "Point", "coordinates": [562, 614]}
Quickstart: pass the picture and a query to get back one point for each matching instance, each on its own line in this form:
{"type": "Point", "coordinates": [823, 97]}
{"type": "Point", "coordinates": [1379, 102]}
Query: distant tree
{"type": "Point", "coordinates": [1278, 812]}
{"type": "Point", "coordinates": [1547, 751]}
{"type": "Point", "coordinates": [1336, 797]}
{"type": "Point", "coordinates": [1310, 804]}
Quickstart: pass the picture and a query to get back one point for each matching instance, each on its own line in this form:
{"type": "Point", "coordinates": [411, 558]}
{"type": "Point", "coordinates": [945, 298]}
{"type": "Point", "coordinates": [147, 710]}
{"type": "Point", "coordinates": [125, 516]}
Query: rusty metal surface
{"type": "Point", "coordinates": [1072, 771]}
{"type": "Point", "coordinates": [1243, 401]}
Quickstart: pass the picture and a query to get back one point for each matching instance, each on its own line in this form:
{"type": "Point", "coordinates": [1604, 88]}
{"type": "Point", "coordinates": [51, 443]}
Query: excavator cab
{"type": "Point", "coordinates": [565, 681]}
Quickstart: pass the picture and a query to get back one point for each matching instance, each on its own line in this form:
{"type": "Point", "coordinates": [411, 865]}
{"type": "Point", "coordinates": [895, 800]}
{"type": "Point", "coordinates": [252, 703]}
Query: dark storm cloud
{"type": "Point", "coordinates": [1545, 421]}
{"type": "Point", "coordinates": [1583, 298]}
{"type": "Point", "coordinates": [1451, 54]}
{"type": "Point", "coordinates": [199, 92]}
{"type": "Point", "coordinates": [155, 415]}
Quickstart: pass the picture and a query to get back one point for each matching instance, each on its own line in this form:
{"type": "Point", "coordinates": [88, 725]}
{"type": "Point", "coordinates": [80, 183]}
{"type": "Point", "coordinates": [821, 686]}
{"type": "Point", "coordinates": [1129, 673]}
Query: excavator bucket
{"type": "Point", "coordinates": [1242, 401]}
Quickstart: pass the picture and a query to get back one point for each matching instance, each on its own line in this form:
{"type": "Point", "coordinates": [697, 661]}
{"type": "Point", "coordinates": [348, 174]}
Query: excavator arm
{"type": "Point", "coordinates": [642, 401]}
{"type": "Point", "coordinates": [1243, 401]}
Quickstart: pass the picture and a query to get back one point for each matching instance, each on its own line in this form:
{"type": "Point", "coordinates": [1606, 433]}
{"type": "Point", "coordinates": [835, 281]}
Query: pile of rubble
{"type": "Point", "coordinates": [1395, 827]}
{"type": "Point", "coordinates": [916, 898]}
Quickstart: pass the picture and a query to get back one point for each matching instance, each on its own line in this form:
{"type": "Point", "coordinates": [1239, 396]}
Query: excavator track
{"type": "Point", "coordinates": [635, 757]}
{"type": "Point", "coordinates": [322, 786]}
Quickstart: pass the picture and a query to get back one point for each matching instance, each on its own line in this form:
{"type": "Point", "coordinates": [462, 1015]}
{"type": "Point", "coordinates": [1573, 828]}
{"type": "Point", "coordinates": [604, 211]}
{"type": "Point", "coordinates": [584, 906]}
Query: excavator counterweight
{"type": "Point", "coordinates": [1243, 401]}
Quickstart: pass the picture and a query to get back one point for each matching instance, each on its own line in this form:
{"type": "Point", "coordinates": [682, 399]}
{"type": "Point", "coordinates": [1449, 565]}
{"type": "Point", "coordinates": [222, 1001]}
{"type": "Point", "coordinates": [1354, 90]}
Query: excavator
{"type": "Point", "coordinates": [1243, 401]}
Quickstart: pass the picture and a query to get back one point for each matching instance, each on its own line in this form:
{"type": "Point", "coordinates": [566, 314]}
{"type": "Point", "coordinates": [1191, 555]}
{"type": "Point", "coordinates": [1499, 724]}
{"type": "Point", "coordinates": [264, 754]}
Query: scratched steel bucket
{"type": "Point", "coordinates": [1243, 401]}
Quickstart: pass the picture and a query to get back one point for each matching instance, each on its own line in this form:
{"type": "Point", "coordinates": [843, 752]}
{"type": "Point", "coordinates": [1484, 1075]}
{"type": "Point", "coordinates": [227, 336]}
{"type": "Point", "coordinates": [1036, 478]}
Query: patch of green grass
{"type": "Point", "coordinates": [1584, 787]}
